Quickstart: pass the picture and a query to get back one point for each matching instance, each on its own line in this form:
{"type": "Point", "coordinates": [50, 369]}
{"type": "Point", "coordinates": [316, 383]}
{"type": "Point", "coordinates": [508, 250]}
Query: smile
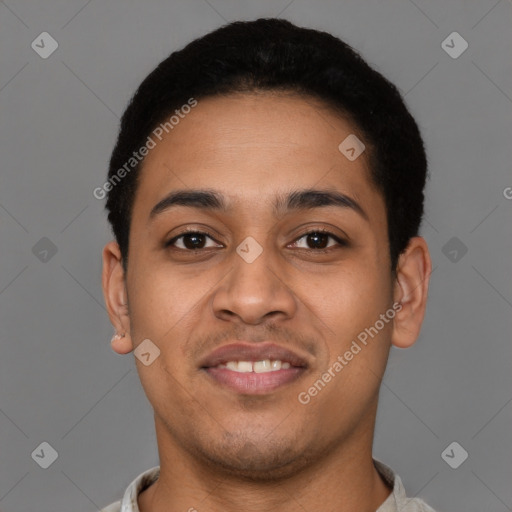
{"type": "Point", "coordinates": [254, 368]}
{"type": "Point", "coordinates": [257, 367]}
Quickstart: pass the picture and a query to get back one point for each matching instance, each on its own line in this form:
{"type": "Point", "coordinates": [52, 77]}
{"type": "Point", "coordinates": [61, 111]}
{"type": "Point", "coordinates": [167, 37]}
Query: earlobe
{"type": "Point", "coordinates": [114, 293]}
{"type": "Point", "coordinates": [121, 343]}
{"type": "Point", "coordinates": [411, 290]}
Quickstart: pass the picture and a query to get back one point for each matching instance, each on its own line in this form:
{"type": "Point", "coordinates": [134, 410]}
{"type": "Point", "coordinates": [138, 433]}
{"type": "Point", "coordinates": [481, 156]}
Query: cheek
{"type": "Point", "coordinates": [166, 308]}
{"type": "Point", "coordinates": [159, 299]}
{"type": "Point", "coordinates": [352, 310]}
{"type": "Point", "coordinates": [356, 293]}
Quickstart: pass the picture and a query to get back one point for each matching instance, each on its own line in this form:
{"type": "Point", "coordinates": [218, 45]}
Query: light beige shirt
{"type": "Point", "coordinates": [395, 502]}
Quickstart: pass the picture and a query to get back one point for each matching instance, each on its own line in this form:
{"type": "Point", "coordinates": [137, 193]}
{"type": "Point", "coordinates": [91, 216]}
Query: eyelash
{"type": "Point", "coordinates": [341, 242]}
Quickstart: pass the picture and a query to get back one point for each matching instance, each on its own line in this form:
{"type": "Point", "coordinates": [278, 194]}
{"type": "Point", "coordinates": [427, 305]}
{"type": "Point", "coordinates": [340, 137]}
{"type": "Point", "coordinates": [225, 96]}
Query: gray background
{"type": "Point", "coordinates": [59, 380]}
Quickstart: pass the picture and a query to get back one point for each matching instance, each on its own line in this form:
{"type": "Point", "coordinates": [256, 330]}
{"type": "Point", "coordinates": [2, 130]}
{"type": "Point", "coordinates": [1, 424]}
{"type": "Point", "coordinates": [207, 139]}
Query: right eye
{"type": "Point", "coordinates": [191, 241]}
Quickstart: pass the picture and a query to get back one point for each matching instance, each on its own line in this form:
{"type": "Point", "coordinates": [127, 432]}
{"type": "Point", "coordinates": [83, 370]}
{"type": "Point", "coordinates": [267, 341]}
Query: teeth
{"type": "Point", "coordinates": [276, 365]}
{"type": "Point", "coordinates": [244, 366]}
{"type": "Point", "coordinates": [264, 366]}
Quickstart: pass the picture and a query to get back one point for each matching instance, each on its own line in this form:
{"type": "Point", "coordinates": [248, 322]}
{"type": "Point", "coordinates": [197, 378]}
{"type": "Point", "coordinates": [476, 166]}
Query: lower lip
{"type": "Point", "coordinates": [252, 383]}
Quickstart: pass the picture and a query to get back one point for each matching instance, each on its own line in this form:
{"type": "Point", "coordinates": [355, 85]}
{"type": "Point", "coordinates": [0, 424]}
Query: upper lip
{"type": "Point", "coordinates": [245, 351]}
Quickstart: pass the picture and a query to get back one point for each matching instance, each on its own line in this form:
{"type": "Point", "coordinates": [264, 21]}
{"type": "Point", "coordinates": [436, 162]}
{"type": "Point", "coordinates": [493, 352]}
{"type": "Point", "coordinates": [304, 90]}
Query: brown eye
{"type": "Point", "coordinates": [191, 241]}
{"type": "Point", "coordinates": [318, 240]}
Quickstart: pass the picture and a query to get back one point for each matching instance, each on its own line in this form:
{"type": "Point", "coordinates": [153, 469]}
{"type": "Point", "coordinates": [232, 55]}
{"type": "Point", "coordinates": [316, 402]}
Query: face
{"type": "Point", "coordinates": [261, 270]}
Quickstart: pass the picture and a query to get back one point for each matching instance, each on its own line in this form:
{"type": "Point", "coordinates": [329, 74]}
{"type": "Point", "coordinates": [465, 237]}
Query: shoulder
{"type": "Point", "coordinates": [416, 505]}
{"type": "Point", "coordinates": [398, 500]}
{"type": "Point", "coordinates": [113, 507]}
{"type": "Point", "coordinates": [139, 484]}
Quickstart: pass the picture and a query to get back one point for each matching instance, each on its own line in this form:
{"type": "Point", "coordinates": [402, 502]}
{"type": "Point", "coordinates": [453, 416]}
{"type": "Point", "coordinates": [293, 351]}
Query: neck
{"type": "Point", "coordinates": [343, 479]}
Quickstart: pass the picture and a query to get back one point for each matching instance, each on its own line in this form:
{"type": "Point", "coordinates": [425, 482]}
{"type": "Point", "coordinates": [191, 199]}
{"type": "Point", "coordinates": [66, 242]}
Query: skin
{"type": "Point", "coordinates": [225, 451]}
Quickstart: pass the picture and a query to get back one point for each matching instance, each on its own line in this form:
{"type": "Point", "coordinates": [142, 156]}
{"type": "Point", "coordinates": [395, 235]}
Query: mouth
{"type": "Point", "coordinates": [249, 368]}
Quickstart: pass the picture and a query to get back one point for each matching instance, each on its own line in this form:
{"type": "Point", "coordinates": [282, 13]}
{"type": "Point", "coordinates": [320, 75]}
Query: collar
{"type": "Point", "coordinates": [393, 502]}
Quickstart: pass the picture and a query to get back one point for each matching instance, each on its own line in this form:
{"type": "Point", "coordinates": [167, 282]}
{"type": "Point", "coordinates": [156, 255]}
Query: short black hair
{"type": "Point", "coordinates": [271, 54]}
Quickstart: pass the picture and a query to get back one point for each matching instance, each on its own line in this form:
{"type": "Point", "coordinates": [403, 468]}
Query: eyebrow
{"type": "Point", "coordinates": [306, 199]}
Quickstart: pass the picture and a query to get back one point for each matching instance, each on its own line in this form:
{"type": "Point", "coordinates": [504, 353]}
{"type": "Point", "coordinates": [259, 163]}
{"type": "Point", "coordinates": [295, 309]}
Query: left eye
{"type": "Point", "coordinates": [319, 239]}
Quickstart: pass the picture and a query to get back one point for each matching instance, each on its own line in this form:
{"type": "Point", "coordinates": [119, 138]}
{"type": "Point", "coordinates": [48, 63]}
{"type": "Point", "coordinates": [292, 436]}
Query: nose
{"type": "Point", "coordinates": [254, 291]}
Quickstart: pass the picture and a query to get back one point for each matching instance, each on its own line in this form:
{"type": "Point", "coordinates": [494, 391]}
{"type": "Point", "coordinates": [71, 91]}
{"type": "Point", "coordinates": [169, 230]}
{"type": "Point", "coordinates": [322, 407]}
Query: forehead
{"type": "Point", "coordinates": [252, 147]}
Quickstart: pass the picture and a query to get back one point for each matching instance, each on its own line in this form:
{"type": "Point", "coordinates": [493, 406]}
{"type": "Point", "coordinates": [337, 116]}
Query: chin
{"type": "Point", "coordinates": [255, 461]}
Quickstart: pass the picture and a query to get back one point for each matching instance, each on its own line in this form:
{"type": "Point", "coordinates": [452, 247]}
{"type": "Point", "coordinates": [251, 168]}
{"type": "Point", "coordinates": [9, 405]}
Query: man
{"type": "Point", "coordinates": [265, 194]}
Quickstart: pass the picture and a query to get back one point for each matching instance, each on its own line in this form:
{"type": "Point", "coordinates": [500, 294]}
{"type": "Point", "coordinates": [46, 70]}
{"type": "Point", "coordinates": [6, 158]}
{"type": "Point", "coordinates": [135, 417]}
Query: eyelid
{"type": "Point", "coordinates": [187, 231]}
{"type": "Point", "coordinates": [340, 241]}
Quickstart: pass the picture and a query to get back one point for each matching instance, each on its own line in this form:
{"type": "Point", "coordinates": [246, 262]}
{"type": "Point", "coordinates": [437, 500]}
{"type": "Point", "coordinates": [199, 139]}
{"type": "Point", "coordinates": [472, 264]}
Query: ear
{"type": "Point", "coordinates": [411, 290]}
{"type": "Point", "coordinates": [114, 293]}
